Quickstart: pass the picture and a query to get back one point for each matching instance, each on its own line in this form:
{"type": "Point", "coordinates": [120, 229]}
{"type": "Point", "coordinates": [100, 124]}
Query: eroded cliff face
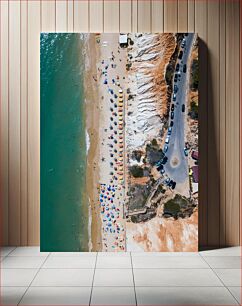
{"type": "Point", "coordinates": [164, 235]}
{"type": "Point", "coordinates": [147, 105]}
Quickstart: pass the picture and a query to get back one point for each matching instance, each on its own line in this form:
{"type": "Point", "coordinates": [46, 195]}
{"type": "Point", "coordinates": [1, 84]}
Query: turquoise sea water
{"type": "Point", "coordinates": [64, 213]}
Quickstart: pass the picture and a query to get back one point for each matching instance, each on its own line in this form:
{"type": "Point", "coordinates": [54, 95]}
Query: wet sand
{"type": "Point", "coordinates": [92, 127]}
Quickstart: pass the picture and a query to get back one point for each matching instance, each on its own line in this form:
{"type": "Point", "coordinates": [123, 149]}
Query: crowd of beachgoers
{"type": "Point", "coordinates": [111, 76]}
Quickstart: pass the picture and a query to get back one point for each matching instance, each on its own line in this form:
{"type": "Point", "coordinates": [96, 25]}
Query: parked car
{"type": "Point", "coordinates": [186, 151]}
{"type": "Point", "coordinates": [183, 108]}
{"type": "Point", "coordinates": [165, 148]}
{"type": "Point", "coordinates": [184, 68]}
{"type": "Point", "coordinates": [180, 55]}
{"type": "Point", "coordinates": [172, 107]}
{"type": "Point", "coordinates": [164, 160]}
{"type": "Point", "coordinates": [162, 171]}
{"type": "Point", "coordinates": [174, 97]}
{"type": "Point", "coordinates": [167, 139]}
{"type": "Point", "coordinates": [175, 88]}
{"type": "Point", "coordinates": [169, 131]}
{"type": "Point", "coordinates": [167, 181]}
{"type": "Point", "coordinates": [177, 67]}
{"type": "Point", "coordinates": [161, 167]}
{"type": "Point", "coordinates": [173, 185]}
{"type": "Point", "coordinates": [183, 44]}
{"type": "Point", "coordinates": [171, 123]}
{"type": "Point", "coordinates": [172, 115]}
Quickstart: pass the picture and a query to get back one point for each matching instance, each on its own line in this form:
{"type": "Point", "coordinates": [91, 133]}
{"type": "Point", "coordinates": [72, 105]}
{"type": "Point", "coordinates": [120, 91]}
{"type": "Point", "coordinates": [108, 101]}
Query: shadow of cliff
{"type": "Point", "coordinates": [209, 170]}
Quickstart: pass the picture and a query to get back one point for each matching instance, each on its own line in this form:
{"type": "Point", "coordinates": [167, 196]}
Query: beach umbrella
{"type": "Point", "coordinates": [115, 123]}
{"type": "Point", "coordinates": [115, 105]}
{"type": "Point", "coordinates": [115, 141]}
{"type": "Point", "coordinates": [115, 151]}
{"type": "Point", "coordinates": [111, 118]}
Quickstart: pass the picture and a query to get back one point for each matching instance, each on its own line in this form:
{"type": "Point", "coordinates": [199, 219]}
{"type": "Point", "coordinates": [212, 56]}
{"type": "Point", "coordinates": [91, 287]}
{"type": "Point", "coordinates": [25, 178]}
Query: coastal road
{"type": "Point", "coordinates": [176, 167]}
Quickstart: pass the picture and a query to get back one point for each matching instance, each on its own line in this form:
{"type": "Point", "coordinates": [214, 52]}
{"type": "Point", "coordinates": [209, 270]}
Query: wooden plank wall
{"type": "Point", "coordinates": [216, 22]}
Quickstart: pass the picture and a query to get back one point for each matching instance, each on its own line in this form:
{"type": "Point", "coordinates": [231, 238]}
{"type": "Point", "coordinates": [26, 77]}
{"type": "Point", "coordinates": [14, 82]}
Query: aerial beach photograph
{"type": "Point", "coordinates": [119, 142]}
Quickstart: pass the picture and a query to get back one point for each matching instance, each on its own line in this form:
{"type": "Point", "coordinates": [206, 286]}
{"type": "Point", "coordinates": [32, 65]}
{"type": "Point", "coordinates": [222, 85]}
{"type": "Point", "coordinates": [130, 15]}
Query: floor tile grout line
{"type": "Point", "coordinates": [90, 299]}
{"type": "Point", "coordinates": [135, 296]}
{"type": "Point", "coordinates": [137, 286]}
{"type": "Point", "coordinates": [33, 278]}
{"type": "Point", "coordinates": [220, 280]}
{"type": "Point", "coordinates": [14, 248]}
{"type": "Point", "coordinates": [239, 303]}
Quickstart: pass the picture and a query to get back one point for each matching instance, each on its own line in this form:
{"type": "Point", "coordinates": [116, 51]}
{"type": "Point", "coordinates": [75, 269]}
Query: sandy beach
{"type": "Point", "coordinates": [104, 84]}
{"type": "Point", "coordinates": [112, 69]}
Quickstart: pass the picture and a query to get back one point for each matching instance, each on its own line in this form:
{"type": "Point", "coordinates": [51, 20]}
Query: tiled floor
{"type": "Point", "coordinates": [29, 277]}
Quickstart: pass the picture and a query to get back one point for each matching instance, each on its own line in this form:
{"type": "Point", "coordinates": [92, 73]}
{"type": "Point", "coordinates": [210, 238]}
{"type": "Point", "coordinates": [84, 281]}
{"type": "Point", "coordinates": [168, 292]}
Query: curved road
{"type": "Point", "coordinates": [176, 167]}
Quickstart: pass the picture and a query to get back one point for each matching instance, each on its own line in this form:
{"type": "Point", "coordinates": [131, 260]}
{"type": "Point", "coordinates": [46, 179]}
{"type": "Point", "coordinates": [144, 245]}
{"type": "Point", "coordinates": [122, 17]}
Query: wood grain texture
{"type": "Point", "coordinates": [217, 24]}
{"type": "Point", "coordinates": [14, 122]}
{"type": "Point", "coordinates": [144, 15]}
{"type": "Point", "coordinates": [232, 122]}
{"type": "Point", "coordinates": [171, 16]}
{"type": "Point", "coordinates": [81, 13]}
{"type": "Point", "coordinates": [111, 16]}
{"type": "Point", "coordinates": [24, 125]}
{"type": "Point", "coordinates": [134, 21]}
{"type": "Point", "coordinates": [157, 13]}
{"type": "Point", "coordinates": [34, 29]}
{"type": "Point", "coordinates": [4, 140]}
{"type": "Point", "coordinates": [61, 16]}
{"type": "Point", "coordinates": [222, 123]}
{"type": "Point", "coordinates": [182, 15]}
{"type": "Point", "coordinates": [191, 16]}
{"type": "Point", "coordinates": [96, 16]}
{"type": "Point", "coordinates": [125, 21]}
{"type": "Point", "coordinates": [48, 16]}
{"type": "Point", "coordinates": [201, 29]}
{"type": "Point", "coordinates": [213, 123]}
{"type": "Point", "coordinates": [70, 16]}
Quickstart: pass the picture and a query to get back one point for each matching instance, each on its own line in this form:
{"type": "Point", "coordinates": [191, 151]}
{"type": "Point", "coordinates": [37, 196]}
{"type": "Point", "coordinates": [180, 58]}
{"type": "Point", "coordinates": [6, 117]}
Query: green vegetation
{"type": "Point", "coordinates": [193, 113]}
{"type": "Point", "coordinates": [174, 207]}
{"type": "Point", "coordinates": [169, 73]}
{"type": "Point", "coordinates": [161, 189]}
{"type": "Point", "coordinates": [137, 155]}
{"type": "Point", "coordinates": [136, 171]}
{"type": "Point", "coordinates": [195, 75]}
{"type": "Point", "coordinates": [153, 152]}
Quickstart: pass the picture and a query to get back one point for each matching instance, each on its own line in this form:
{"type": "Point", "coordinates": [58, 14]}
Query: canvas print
{"type": "Point", "coordinates": [119, 142]}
